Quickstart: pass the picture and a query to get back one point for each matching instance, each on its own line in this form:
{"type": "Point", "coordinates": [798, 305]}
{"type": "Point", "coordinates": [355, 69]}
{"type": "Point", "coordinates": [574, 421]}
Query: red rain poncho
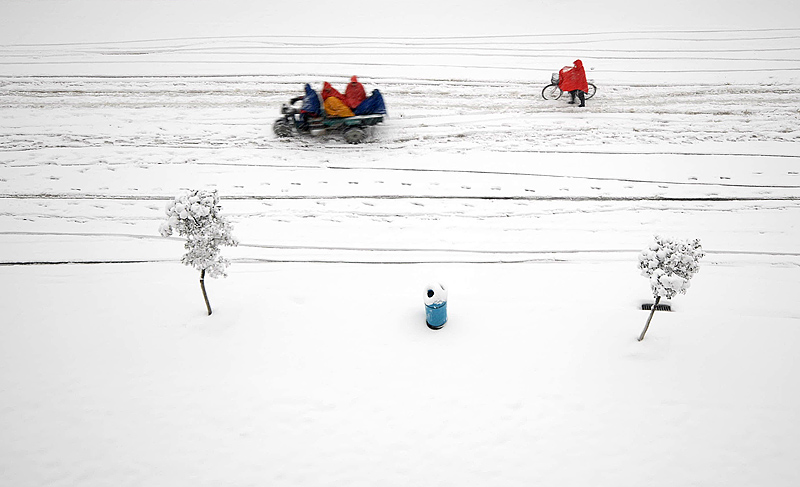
{"type": "Point", "coordinates": [573, 78]}
{"type": "Point", "coordinates": [328, 91]}
{"type": "Point", "coordinates": [354, 94]}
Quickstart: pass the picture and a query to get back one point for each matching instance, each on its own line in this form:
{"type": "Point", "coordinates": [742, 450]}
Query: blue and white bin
{"type": "Point", "coordinates": [435, 306]}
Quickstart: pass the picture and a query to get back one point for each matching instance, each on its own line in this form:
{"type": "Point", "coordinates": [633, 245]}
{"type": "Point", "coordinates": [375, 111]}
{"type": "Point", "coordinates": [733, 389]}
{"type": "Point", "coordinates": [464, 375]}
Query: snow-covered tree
{"type": "Point", "coordinates": [669, 264]}
{"type": "Point", "coordinates": [195, 215]}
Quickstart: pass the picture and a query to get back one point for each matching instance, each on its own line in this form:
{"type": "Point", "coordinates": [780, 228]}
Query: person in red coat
{"type": "Point", "coordinates": [573, 79]}
{"type": "Point", "coordinates": [329, 91]}
{"type": "Point", "coordinates": [354, 94]}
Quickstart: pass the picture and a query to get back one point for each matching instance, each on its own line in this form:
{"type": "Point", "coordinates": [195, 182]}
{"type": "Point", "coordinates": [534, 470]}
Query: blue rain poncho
{"type": "Point", "coordinates": [311, 105]}
{"type": "Point", "coordinates": [372, 105]}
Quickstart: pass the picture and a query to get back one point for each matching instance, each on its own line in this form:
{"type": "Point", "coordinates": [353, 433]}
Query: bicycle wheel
{"type": "Point", "coordinates": [551, 92]}
{"type": "Point", "coordinates": [591, 92]}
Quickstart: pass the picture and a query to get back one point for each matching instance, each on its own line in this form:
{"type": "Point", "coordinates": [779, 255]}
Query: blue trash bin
{"type": "Point", "coordinates": [435, 306]}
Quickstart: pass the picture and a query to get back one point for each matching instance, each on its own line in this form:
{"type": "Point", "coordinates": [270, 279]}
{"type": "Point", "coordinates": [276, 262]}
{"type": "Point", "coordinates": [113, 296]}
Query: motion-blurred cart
{"type": "Point", "coordinates": [311, 118]}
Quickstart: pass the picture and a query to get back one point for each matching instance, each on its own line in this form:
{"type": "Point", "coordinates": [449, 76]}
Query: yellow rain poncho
{"type": "Point", "coordinates": [335, 107]}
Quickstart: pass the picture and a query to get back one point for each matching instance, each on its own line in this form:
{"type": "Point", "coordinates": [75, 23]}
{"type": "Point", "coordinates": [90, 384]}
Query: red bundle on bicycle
{"type": "Point", "coordinates": [573, 78]}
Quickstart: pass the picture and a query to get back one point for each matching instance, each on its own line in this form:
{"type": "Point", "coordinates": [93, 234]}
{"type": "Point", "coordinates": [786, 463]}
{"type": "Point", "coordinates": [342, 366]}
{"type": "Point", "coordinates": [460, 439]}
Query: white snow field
{"type": "Point", "coordinates": [316, 367]}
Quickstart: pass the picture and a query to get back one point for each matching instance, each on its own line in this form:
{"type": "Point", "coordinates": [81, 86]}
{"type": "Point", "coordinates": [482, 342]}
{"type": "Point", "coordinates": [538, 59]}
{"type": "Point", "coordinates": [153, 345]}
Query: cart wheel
{"type": "Point", "coordinates": [591, 92]}
{"type": "Point", "coordinates": [282, 128]}
{"type": "Point", "coordinates": [551, 92]}
{"type": "Point", "coordinates": [355, 135]}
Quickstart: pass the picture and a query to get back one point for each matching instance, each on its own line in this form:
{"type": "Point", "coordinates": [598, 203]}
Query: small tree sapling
{"type": "Point", "coordinates": [669, 264]}
{"type": "Point", "coordinates": [195, 215]}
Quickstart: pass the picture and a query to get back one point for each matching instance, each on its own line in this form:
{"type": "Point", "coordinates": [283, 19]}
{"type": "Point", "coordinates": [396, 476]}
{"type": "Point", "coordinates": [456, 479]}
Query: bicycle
{"type": "Point", "coordinates": [553, 92]}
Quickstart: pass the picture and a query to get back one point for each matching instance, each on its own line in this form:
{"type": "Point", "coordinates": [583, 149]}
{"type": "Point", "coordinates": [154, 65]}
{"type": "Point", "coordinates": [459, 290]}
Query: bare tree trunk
{"type": "Point", "coordinates": [203, 287]}
{"type": "Point", "coordinates": [647, 325]}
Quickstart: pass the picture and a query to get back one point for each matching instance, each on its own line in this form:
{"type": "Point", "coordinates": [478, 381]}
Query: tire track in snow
{"type": "Point", "coordinates": [298, 80]}
{"type": "Point", "coordinates": [428, 40]}
{"type": "Point", "coordinates": [85, 196]}
{"type": "Point", "coordinates": [531, 51]}
{"type": "Point", "coordinates": [339, 167]}
{"type": "Point", "coordinates": [361, 64]}
{"type": "Point", "coordinates": [383, 249]}
{"type": "Point", "coordinates": [543, 257]}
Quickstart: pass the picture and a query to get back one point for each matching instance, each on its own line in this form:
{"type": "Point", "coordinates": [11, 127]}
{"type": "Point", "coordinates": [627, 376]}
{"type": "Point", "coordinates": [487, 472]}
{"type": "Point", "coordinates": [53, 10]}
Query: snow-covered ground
{"type": "Point", "coordinates": [316, 367]}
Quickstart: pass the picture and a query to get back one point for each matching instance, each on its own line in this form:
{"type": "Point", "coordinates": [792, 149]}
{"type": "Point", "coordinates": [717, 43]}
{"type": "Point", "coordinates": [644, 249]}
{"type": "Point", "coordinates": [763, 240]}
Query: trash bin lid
{"type": "Point", "coordinates": [435, 293]}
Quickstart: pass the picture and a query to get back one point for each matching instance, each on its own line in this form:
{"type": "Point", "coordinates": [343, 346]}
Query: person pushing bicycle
{"type": "Point", "coordinates": [573, 79]}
